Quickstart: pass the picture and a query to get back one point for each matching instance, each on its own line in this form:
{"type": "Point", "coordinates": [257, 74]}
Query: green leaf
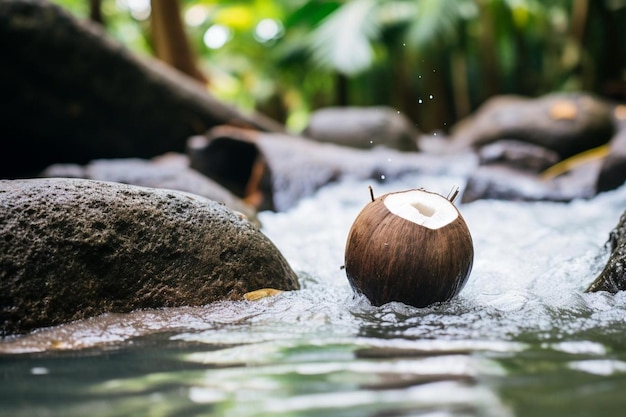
{"type": "Point", "coordinates": [343, 41]}
{"type": "Point", "coordinates": [436, 21]}
{"type": "Point", "coordinates": [311, 13]}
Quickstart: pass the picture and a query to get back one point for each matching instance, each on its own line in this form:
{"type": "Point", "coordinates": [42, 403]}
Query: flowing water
{"type": "Point", "coordinates": [522, 339]}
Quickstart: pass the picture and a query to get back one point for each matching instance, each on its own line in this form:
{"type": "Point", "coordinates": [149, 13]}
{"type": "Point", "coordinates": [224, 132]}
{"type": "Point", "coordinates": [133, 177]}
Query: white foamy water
{"type": "Point", "coordinates": [532, 264]}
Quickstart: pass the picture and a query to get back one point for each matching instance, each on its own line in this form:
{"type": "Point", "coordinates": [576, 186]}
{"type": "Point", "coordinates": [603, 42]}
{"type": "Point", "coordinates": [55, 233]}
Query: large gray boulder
{"type": "Point", "coordinates": [75, 248]}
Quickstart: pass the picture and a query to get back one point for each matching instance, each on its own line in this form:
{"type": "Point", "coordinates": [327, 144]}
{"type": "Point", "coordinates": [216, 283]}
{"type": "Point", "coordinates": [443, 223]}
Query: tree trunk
{"type": "Point", "coordinates": [460, 86]}
{"type": "Point", "coordinates": [171, 44]}
{"type": "Point", "coordinates": [342, 96]}
{"type": "Point", "coordinates": [491, 79]}
{"type": "Point", "coordinates": [95, 11]}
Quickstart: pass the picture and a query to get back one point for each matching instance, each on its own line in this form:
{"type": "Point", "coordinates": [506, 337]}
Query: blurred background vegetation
{"type": "Point", "coordinates": [434, 60]}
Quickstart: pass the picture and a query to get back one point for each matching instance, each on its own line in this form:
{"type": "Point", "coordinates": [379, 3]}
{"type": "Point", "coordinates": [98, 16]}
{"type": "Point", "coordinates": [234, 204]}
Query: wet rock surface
{"type": "Point", "coordinates": [363, 127]}
{"type": "Point", "coordinates": [521, 170]}
{"type": "Point", "coordinates": [520, 155]}
{"type": "Point", "coordinates": [501, 182]}
{"type": "Point", "coordinates": [169, 171]}
{"type": "Point", "coordinates": [613, 276]}
{"type": "Point", "coordinates": [613, 170]}
{"type": "Point", "coordinates": [75, 248]}
{"type": "Point", "coordinates": [283, 168]}
{"type": "Point", "coordinates": [567, 123]}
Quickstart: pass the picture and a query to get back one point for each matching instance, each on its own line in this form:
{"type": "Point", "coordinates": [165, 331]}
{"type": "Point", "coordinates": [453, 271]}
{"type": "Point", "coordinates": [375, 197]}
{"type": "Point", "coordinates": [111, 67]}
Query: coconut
{"type": "Point", "coordinates": [411, 246]}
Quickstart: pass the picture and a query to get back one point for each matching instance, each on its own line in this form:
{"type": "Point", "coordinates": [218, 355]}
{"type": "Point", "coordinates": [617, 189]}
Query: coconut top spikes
{"type": "Point", "coordinates": [411, 246]}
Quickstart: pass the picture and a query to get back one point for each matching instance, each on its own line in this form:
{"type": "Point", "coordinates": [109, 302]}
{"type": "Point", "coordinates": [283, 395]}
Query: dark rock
{"type": "Point", "coordinates": [75, 248]}
{"type": "Point", "coordinates": [567, 123]}
{"type": "Point", "coordinates": [363, 127]}
{"type": "Point", "coordinates": [70, 94]}
{"type": "Point", "coordinates": [278, 169]}
{"type": "Point", "coordinates": [501, 182]}
{"type": "Point", "coordinates": [613, 170]}
{"type": "Point", "coordinates": [169, 172]}
{"type": "Point", "coordinates": [613, 276]}
{"type": "Point", "coordinates": [519, 155]}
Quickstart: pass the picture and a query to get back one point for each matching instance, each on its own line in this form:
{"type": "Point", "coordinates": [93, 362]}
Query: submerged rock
{"type": "Point", "coordinates": [76, 248]}
{"type": "Point", "coordinates": [363, 127]}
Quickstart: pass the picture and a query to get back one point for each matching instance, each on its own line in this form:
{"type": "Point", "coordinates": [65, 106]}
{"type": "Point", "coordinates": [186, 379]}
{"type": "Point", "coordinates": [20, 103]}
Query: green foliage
{"type": "Point", "coordinates": [436, 22]}
{"type": "Point", "coordinates": [343, 40]}
{"type": "Point", "coordinates": [392, 52]}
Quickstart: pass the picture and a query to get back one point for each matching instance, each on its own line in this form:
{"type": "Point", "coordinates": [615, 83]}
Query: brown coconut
{"type": "Point", "coordinates": [411, 246]}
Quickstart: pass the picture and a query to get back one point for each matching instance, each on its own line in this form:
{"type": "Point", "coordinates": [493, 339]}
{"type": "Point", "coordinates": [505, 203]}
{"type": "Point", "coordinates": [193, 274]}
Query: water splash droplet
{"type": "Point", "coordinates": [419, 101]}
{"type": "Point", "coordinates": [430, 96]}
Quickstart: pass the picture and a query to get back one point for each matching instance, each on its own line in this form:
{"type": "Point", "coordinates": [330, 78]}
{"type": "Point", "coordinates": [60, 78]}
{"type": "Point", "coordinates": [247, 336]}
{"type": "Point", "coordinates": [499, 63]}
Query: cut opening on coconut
{"type": "Point", "coordinates": [422, 207]}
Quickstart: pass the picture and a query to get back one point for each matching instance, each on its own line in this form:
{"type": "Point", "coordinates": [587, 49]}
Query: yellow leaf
{"type": "Point", "coordinates": [235, 17]}
{"type": "Point", "coordinates": [262, 293]}
{"type": "Point", "coordinates": [575, 161]}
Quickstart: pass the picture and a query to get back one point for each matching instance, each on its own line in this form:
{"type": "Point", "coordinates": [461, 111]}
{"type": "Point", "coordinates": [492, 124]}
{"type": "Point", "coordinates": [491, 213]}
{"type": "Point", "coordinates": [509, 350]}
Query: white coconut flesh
{"type": "Point", "coordinates": [426, 209]}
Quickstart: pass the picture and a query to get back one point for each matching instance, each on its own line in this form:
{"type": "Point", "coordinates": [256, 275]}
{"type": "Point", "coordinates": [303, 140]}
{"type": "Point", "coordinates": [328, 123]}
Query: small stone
{"type": "Point", "coordinates": [262, 293]}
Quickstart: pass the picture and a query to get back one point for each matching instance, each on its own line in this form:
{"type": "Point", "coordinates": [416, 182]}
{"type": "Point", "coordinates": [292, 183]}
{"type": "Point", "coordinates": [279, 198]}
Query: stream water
{"type": "Point", "coordinates": [522, 339]}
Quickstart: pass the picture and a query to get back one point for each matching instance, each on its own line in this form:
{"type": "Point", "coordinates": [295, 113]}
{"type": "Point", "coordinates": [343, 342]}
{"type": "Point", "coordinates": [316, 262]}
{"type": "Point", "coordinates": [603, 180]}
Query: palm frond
{"type": "Point", "coordinates": [343, 41]}
{"type": "Point", "coordinates": [437, 21]}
